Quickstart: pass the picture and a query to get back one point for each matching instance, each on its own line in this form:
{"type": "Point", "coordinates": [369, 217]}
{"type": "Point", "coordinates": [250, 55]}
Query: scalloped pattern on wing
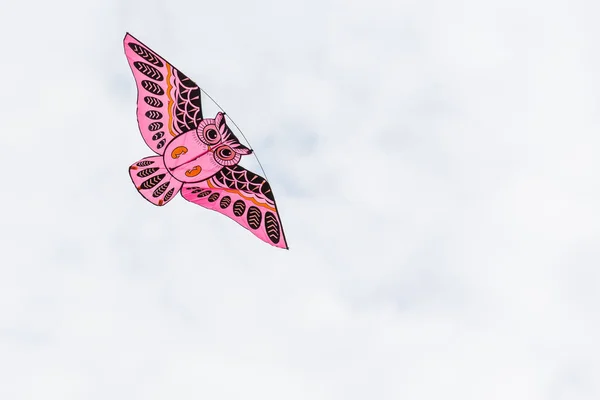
{"type": "Point", "coordinates": [168, 102]}
{"type": "Point", "coordinates": [153, 181]}
{"type": "Point", "coordinates": [244, 197]}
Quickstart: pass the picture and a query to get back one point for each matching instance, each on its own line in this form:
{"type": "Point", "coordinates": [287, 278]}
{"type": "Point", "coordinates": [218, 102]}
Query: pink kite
{"type": "Point", "coordinates": [196, 156]}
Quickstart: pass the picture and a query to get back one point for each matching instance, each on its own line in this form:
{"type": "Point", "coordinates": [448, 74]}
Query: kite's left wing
{"type": "Point", "coordinates": [244, 197]}
{"type": "Point", "coordinates": [168, 102]}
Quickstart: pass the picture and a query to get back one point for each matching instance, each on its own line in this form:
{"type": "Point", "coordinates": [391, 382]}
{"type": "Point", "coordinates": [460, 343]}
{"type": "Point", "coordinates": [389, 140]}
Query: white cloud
{"type": "Point", "coordinates": [435, 167]}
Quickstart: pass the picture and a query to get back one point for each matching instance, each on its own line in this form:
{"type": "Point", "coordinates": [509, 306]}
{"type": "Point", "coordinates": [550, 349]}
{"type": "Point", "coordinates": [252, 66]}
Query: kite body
{"type": "Point", "coordinates": [194, 155]}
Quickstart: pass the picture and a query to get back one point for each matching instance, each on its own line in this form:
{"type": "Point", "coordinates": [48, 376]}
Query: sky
{"type": "Point", "coordinates": [434, 165]}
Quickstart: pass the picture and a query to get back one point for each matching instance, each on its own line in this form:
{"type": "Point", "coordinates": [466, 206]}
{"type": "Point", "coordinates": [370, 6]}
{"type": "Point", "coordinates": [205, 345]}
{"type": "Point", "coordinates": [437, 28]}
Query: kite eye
{"type": "Point", "coordinates": [225, 155]}
{"type": "Point", "coordinates": [211, 135]}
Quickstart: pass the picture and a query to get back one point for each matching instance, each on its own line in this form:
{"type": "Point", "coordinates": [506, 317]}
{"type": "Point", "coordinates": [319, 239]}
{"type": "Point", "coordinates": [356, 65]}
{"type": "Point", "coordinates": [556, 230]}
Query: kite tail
{"type": "Point", "coordinates": [153, 181]}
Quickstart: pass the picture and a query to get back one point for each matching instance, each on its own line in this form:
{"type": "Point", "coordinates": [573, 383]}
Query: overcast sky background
{"type": "Point", "coordinates": [435, 165]}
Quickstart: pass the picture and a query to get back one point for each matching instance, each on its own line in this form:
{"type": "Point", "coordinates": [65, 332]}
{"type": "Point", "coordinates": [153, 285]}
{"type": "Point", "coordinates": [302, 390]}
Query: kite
{"type": "Point", "coordinates": [196, 156]}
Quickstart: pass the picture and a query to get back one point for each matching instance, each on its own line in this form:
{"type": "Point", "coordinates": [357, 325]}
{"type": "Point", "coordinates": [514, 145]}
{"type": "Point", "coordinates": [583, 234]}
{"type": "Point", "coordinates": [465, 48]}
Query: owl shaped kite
{"type": "Point", "coordinates": [196, 156]}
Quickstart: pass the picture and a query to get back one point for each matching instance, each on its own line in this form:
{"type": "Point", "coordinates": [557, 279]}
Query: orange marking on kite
{"type": "Point", "coordinates": [170, 105]}
{"type": "Point", "coordinates": [178, 151]}
{"type": "Point", "coordinates": [193, 172]}
{"type": "Point", "coordinates": [242, 196]}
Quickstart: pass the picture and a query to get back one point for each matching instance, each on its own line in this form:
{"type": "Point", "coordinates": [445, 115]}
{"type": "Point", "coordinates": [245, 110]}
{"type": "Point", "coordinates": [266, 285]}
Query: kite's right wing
{"type": "Point", "coordinates": [168, 102]}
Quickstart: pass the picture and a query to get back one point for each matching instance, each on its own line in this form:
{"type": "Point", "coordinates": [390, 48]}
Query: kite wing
{"type": "Point", "coordinates": [153, 181]}
{"type": "Point", "coordinates": [244, 197]}
{"type": "Point", "coordinates": [168, 102]}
